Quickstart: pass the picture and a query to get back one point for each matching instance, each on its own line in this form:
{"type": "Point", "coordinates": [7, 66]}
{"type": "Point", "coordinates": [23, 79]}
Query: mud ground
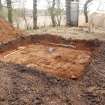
{"type": "Point", "coordinates": [21, 85]}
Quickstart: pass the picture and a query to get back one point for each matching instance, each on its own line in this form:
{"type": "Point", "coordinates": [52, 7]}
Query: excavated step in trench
{"type": "Point", "coordinates": [55, 56]}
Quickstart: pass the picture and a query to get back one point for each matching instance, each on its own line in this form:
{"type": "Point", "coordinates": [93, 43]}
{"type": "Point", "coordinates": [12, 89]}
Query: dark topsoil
{"type": "Point", "coordinates": [26, 86]}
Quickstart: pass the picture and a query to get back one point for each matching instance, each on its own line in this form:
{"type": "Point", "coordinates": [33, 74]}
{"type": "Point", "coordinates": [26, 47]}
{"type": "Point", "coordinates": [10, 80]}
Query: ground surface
{"type": "Point", "coordinates": [60, 61]}
{"type": "Point", "coordinates": [20, 85]}
{"type": "Point", "coordinates": [72, 32]}
{"type": "Point", "coordinates": [25, 86]}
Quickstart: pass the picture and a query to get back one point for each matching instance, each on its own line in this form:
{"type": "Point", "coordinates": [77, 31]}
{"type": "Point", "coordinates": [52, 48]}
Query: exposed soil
{"type": "Point", "coordinates": [21, 85]}
{"type": "Point", "coordinates": [7, 31]}
{"type": "Point", "coordinates": [59, 61]}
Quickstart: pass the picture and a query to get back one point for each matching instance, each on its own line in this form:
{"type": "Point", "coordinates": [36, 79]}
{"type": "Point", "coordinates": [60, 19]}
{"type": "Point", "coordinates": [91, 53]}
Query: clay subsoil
{"type": "Point", "coordinates": [24, 82]}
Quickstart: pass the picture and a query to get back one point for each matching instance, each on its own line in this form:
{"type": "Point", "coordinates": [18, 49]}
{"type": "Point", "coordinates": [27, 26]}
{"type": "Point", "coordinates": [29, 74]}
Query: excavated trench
{"type": "Point", "coordinates": [50, 54]}
{"type": "Point", "coordinates": [38, 68]}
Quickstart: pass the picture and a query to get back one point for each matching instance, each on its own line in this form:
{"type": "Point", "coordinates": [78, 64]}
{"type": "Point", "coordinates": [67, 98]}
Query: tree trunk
{"type": "Point", "coordinates": [53, 14]}
{"type": "Point", "coordinates": [68, 12]}
{"type": "Point", "coordinates": [35, 14]}
{"type": "Point", "coordinates": [0, 9]}
{"type": "Point", "coordinates": [0, 5]}
{"type": "Point", "coordinates": [59, 13]}
{"type": "Point", "coordinates": [24, 17]}
{"type": "Point", "coordinates": [9, 6]}
{"type": "Point", "coordinates": [86, 10]}
{"type": "Point", "coordinates": [72, 12]}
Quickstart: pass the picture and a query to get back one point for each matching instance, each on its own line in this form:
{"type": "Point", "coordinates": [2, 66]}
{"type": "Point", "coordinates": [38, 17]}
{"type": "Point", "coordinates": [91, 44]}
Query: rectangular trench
{"type": "Point", "coordinates": [59, 59]}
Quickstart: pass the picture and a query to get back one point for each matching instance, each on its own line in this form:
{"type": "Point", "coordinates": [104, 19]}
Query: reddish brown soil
{"type": "Point", "coordinates": [60, 61]}
{"type": "Point", "coordinates": [22, 85]}
{"type": "Point", "coordinates": [7, 31]}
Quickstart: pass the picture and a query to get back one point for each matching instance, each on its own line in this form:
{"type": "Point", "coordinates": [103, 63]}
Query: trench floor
{"type": "Point", "coordinates": [58, 61]}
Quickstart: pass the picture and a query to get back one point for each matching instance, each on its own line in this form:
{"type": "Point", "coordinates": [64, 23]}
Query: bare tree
{"type": "Point", "coordinates": [24, 15]}
{"type": "Point", "coordinates": [51, 10]}
{"type": "Point", "coordinates": [86, 10]}
{"type": "Point", "coordinates": [68, 12]}
{"type": "Point", "coordinates": [9, 6]}
{"type": "Point", "coordinates": [59, 12]}
{"type": "Point", "coordinates": [0, 8]}
{"type": "Point", "coordinates": [53, 14]}
{"type": "Point", "coordinates": [35, 14]}
{"type": "Point", "coordinates": [0, 5]}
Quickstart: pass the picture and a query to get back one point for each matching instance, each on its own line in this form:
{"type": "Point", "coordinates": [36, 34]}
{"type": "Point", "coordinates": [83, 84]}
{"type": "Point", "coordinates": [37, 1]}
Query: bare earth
{"type": "Point", "coordinates": [59, 61]}
{"type": "Point", "coordinates": [22, 85]}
